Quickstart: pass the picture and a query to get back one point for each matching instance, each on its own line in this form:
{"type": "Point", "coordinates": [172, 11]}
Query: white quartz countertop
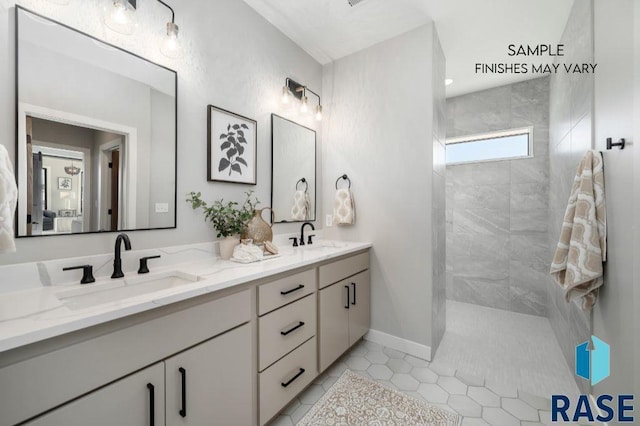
{"type": "Point", "coordinates": [36, 314]}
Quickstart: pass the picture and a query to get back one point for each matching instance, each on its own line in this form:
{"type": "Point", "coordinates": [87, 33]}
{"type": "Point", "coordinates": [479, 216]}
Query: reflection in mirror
{"type": "Point", "coordinates": [293, 175]}
{"type": "Point", "coordinates": [96, 149]}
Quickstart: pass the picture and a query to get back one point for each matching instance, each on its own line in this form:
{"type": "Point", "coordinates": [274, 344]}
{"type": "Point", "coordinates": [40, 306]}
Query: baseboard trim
{"type": "Point", "coordinates": [412, 348]}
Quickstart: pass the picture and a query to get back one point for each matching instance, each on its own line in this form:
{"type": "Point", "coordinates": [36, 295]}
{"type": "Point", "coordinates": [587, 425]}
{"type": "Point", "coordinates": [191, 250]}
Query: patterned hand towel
{"type": "Point", "coordinates": [301, 206]}
{"type": "Point", "coordinates": [8, 200]}
{"type": "Point", "coordinates": [578, 262]}
{"type": "Point", "coordinates": [344, 208]}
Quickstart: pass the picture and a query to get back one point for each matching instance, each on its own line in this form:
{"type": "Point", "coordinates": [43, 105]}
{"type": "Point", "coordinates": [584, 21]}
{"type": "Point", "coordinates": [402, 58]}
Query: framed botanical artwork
{"type": "Point", "coordinates": [64, 183]}
{"type": "Point", "coordinates": [231, 147]}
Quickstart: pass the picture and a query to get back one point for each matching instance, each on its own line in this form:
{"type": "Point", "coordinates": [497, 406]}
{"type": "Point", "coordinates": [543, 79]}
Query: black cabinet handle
{"type": "Point", "coordinates": [284, 333]}
{"type": "Point", "coordinates": [348, 297]}
{"type": "Point", "coordinates": [183, 373]}
{"type": "Point", "coordinates": [152, 404]}
{"type": "Point", "coordinates": [300, 287]}
{"type": "Point", "coordinates": [354, 293]}
{"type": "Point", "coordinates": [300, 373]}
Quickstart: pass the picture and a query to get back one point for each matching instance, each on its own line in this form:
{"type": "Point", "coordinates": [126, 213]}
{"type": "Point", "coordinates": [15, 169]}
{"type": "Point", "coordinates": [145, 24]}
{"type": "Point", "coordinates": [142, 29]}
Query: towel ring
{"type": "Point", "coordinates": [345, 177]}
{"type": "Point", "coordinates": [303, 180]}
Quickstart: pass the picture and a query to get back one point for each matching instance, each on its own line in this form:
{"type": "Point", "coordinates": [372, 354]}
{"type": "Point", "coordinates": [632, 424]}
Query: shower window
{"type": "Point", "coordinates": [502, 145]}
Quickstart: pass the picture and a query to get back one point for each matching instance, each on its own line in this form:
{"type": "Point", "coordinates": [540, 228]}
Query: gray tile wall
{"type": "Point", "coordinates": [438, 239]}
{"type": "Point", "coordinates": [570, 115]}
{"type": "Point", "coordinates": [497, 212]}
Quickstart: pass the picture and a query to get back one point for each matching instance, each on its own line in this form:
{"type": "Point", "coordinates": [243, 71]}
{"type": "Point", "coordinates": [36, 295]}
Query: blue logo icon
{"type": "Point", "coordinates": [593, 363]}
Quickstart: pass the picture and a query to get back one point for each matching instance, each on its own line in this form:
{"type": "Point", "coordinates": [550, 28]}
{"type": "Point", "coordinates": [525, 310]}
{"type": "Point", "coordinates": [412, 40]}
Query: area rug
{"type": "Point", "coordinates": [358, 400]}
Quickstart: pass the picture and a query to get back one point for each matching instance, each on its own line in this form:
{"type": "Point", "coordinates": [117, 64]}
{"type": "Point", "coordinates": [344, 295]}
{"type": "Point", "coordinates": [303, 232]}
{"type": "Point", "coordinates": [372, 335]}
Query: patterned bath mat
{"type": "Point", "coordinates": [358, 400]}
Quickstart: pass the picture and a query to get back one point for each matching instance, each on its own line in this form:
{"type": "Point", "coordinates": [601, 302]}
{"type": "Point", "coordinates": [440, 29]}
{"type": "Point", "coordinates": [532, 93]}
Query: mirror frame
{"type": "Point", "coordinates": [19, 8]}
{"type": "Point", "coordinates": [315, 167]}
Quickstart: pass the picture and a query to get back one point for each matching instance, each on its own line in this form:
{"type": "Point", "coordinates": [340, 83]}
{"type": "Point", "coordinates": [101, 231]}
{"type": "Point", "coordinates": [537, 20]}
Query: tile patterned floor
{"type": "Point", "coordinates": [506, 347]}
{"type": "Point", "coordinates": [478, 402]}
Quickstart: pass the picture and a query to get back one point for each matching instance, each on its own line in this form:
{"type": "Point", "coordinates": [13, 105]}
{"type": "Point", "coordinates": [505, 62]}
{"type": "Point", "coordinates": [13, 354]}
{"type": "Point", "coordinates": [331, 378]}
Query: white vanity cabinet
{"type": "Point", "coordinates": [210, 384]}
{"type": "Point", "coordinates": [286, 339]}
{"type": "Point", "coordinates": [236, 356]}
{"type": "Point", "coordinates": [135, 400]}
{"type": "Point", "coordinates": [344, 307]}
{"type": "Point", "coordinates": [211, 337]}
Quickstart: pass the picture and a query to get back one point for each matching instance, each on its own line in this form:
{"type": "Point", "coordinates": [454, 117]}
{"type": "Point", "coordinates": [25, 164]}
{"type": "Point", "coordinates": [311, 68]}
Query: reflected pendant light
{"type": "Point", "coordinates": [119, 16]}
{"type": "Point", "coordinates": [72, 170]}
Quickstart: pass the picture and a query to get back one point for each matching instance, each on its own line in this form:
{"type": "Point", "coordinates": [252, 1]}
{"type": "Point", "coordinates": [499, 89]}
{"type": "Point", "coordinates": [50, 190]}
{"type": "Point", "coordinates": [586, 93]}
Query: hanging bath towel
{"type": "Point", "coordinates": [344, 208]}
{"type": "Point", "coordinates": [578, 262]}
{"type": "Point", "coordinates": [8, 200]}
{"type": "Point", "coordinates": [301, 206]}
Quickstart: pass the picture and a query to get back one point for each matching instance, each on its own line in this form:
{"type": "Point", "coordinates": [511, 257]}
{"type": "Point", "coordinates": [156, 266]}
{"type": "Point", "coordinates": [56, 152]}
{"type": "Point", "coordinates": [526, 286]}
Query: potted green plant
{"type": "Point", "coordinates": [227, 218]}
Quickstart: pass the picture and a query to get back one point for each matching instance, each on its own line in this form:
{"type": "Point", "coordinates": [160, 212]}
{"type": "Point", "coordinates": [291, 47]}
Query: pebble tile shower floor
{"type": "Point", "coordinates": [481, 402]}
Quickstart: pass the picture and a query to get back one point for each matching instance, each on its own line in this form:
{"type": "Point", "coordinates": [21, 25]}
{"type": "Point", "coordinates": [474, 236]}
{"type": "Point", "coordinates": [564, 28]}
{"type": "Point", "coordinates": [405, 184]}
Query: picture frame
{"type": "Point", "coordinates": [232, 143]}
{"type": "Point", "coordinates": [67, 213]}
{"type": "Point", "coordinates": [65, 184]}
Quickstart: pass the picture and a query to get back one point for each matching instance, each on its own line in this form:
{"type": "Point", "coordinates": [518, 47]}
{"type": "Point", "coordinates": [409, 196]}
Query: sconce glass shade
{"type": "Point", "coordinates": [170, 44]}
{"type": "Point", "coordinates": [286, 97]}
{"type": "Point", "coordinates": [319, 113]}
{"type": "Point", "coordinates": [304, 107]}
{"type": "Point", "coordinates": [119, 17]}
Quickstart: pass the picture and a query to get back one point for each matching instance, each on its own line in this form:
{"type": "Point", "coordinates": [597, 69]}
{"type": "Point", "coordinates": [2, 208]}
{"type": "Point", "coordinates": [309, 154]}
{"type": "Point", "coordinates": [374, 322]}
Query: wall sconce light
{"type": "Point", "coordinates": [294, 89]}
{"type": "Point", "coordinates": [170, 44]}
{"type": "Point", "coordinates": [119, 16]}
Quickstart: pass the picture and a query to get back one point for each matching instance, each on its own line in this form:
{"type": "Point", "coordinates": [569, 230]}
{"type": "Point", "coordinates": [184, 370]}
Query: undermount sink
{"type": "Point", "coordinates": [323, 245]}
{"type": "Point", "coordinates": [114, 291]}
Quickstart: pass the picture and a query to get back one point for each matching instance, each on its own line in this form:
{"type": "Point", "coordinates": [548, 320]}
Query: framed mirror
{"type": "Point", "coordinates": [293, 171]}
{"type": "Point", "coordinates": [96, 135]}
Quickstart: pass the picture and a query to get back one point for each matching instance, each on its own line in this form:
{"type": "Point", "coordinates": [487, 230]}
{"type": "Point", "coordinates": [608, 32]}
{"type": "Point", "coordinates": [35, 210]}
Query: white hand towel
{"type": "Point", "coordinates": [344, 208]}
{"type": "Point", "coordinates": [301, 206]}
{"type": "Point", "coordinates": [577, 266]}
{"type": "Point", "coordinates": [8, 201]}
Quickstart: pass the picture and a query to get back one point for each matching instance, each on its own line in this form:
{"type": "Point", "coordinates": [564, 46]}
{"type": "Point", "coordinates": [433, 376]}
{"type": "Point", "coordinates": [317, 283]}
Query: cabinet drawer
{"type": "Point", "coordinates": [336, 271]}
{"type": "Point", "coordinates": [296, 371]}
{"type": "Point", "coordinates": [285, 290]}
{"type": "Point", "coordinates": [283, 330]}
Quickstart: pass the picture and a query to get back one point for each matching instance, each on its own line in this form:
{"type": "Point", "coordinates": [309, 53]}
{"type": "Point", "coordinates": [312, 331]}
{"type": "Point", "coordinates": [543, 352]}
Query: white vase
{"type": "Point", "coordinates": [227, 245]}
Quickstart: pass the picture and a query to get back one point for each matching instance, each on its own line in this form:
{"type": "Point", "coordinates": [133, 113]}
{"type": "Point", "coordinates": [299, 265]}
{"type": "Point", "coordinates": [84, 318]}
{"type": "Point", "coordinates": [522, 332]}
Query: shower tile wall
{"type": "Point", "coordinates": [497, 212]}
{"type": "Point", "coordinates": [570, 115]}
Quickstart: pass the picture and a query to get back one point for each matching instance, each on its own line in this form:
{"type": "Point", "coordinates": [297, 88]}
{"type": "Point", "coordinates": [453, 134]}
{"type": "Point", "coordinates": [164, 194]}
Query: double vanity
{"type": "Point", "coordinates": [203, 342]}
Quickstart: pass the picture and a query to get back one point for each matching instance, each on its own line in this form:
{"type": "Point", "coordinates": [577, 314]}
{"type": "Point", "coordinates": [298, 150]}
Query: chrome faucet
{"type": "Point", "coordinates": [117, 261]}
{"type": "Point", "coordinates": [313, 228]}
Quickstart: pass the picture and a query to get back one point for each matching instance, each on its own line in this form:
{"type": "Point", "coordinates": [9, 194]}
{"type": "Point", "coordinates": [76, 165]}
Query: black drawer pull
{"type": "Point", "coordinates": [183, 410]}
{"type": "Point", "coordinates": [284, 333]}
{"type": "Point", "coordinates": [300, 287]}
{"type": "Point", "coordinates": [300, 373]}
{"type": "Point", "coordinates": [348, 297]}
{"type": "Point", "coordinates": [152, 404]}
{"type": "Point", "coordinates": [354, 293]}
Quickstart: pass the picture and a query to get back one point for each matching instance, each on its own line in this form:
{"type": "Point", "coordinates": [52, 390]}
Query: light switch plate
{"type": "Point", "coordinates": [162, 207]}
{"type": "Point", "coordinates": [329, 220]}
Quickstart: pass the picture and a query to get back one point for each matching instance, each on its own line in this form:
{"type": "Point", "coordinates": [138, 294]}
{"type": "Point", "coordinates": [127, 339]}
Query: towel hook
{"type": "Point", "coordinates": [303, 180]}
{"type": "Point", "coordinates": [610, 143]}
{"type": "Point", "coordinates": [345, 177]}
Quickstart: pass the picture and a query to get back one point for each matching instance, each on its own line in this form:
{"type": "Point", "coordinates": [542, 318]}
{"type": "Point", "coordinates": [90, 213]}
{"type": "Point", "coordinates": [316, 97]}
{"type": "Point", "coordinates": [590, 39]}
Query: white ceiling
{"type": "Point", "coordinates": [470, 31]}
